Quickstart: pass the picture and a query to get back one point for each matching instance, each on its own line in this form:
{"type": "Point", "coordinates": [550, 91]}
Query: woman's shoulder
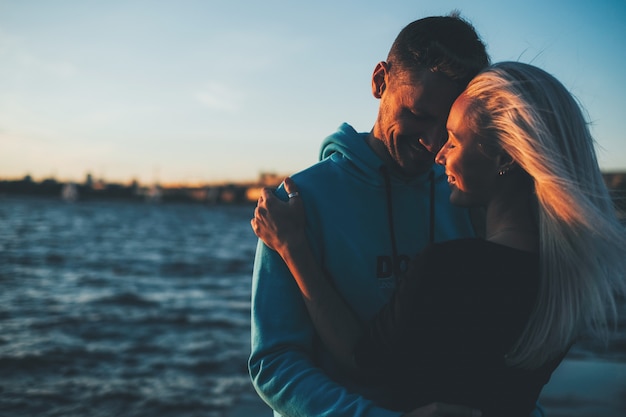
{"type": "Point", "coordinates": [473, 248]}
{"type": "Point", "coordinates": [473, 260]}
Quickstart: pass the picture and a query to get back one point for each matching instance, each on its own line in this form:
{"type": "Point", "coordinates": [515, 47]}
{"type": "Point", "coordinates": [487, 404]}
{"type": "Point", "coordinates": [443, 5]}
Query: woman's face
{"type": "Point", "coordinates": [472, 175]}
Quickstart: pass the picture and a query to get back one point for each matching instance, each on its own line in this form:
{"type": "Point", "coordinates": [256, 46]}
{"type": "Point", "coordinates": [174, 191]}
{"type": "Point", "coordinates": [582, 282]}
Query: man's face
{"type": "Point", "coordinates": [412, 117]}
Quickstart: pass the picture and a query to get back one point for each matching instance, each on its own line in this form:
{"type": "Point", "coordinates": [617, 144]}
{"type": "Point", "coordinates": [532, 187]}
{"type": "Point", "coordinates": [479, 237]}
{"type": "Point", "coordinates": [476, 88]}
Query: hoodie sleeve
{"type": "Point", "coordinates": [281, 365]}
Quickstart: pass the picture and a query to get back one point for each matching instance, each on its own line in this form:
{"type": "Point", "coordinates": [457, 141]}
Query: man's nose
{"type": "Point", "coordinates": [432, 143]}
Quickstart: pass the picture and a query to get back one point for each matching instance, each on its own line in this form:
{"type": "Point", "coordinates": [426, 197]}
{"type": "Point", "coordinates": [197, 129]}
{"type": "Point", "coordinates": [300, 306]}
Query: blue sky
{"type": "Point", "coordinates": [205, 91]}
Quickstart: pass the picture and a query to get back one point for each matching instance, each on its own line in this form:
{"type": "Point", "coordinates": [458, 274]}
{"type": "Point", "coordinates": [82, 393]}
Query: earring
{"type": "Point", "coordinates": [503, 172]}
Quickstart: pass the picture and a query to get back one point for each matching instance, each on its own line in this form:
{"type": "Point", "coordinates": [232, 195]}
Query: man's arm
{"type": "Point", "coordinates": [281, 365]}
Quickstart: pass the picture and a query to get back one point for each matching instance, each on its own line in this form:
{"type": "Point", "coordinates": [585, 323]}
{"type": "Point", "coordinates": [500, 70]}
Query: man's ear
{"type": "Point", "coordinates": [379, 79]}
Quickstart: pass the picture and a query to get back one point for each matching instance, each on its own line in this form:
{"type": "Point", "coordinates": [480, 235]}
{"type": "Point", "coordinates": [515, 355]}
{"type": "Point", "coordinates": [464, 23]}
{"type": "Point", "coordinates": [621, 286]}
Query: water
{"type": "Point", "coordinates": [126, 309]}
{"type": "Point", "coordinates": [117, 308]}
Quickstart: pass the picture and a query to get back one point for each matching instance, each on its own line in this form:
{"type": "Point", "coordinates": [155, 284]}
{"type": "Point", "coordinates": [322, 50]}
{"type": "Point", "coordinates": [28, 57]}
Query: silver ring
{"type": "Point", "coordinates": [292, 195]}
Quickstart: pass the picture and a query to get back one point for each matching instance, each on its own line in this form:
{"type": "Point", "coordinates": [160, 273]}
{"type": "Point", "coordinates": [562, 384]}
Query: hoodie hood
{"type": "Point", "coordinates": [346, 143]}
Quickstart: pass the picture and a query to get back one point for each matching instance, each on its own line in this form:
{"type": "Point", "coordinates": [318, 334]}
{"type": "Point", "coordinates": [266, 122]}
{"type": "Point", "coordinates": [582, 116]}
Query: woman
{"type": "Point", "coordinates": [484, 322]}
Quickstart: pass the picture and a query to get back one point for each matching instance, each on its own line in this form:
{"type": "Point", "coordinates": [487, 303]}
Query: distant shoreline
{"type": "Point", "coordinates": [224, 193]}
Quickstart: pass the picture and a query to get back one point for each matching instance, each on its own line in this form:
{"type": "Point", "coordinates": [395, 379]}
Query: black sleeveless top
{"type": "Point", "coordinates": [454, 316]}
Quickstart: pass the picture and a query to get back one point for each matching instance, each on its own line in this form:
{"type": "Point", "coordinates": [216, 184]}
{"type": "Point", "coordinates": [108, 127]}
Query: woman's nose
{"type": "Point", "coordinates": [440, 157]}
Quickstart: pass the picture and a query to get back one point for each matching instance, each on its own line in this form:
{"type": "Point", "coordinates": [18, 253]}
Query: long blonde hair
{"type": "Point", "coordinates": [531, 116]}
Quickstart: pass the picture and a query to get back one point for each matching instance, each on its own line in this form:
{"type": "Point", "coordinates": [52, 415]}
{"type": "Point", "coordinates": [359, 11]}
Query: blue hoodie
{"type": "Point", "coordinates": [364, 223]}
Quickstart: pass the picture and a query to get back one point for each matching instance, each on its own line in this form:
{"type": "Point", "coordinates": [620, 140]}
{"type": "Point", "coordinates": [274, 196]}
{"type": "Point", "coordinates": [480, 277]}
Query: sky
{"type": "Point", "coordinates": [195, 92]}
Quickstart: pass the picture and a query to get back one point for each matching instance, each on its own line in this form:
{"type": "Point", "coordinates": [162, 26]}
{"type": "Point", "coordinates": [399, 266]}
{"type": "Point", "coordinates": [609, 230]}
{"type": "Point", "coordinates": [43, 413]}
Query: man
{"type": "Point", "coordinates": [373, 201]}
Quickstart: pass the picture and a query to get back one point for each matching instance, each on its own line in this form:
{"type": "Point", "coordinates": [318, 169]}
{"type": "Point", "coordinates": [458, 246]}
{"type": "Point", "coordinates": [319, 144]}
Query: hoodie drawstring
{"type": "Point", "coordinates": [431, 235]}
{"type": "Point", "coordinates": [392, 233]}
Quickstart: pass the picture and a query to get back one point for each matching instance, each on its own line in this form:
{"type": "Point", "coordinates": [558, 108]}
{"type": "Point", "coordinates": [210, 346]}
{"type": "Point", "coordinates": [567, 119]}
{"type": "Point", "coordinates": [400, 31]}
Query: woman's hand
{"type": "Point", "coordinates": [277, 223]}
{"type": "Point", "coordinates": [281, 226]}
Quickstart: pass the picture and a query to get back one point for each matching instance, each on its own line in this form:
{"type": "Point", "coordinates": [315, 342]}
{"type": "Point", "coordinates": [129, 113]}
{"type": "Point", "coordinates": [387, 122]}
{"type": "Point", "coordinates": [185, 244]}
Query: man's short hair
{"type": "Point", "coordinates": [445, 44]}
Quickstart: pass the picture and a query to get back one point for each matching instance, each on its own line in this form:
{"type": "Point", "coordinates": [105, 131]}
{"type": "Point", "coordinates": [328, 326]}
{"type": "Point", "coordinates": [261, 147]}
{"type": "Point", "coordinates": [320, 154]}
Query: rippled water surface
{"type": "Point", "coordinates": [126, 309]}
{"type": "Point", "coordinates": [123, 309]}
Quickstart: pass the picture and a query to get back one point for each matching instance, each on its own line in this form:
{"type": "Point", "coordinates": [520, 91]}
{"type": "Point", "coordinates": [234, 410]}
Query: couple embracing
{"type": "Point", "coordinates": [443, 263]}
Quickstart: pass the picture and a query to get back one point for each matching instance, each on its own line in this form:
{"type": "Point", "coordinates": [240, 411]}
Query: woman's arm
{"type": "Point", "coordinates": [281, 227]}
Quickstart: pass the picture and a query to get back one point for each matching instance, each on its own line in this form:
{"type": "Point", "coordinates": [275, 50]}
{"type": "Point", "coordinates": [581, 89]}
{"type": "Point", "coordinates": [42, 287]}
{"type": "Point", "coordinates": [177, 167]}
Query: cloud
{"type": "Point", "coordinates": [219, 97]}
{"type": "Point", "coordinates": [60, 69]}
{"type": "Point", "coordinates": [18, 57]}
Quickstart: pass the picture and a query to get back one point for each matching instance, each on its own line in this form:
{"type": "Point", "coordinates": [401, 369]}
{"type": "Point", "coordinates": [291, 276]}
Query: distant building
{"type": "Point", "coordinates": [69, 192]}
